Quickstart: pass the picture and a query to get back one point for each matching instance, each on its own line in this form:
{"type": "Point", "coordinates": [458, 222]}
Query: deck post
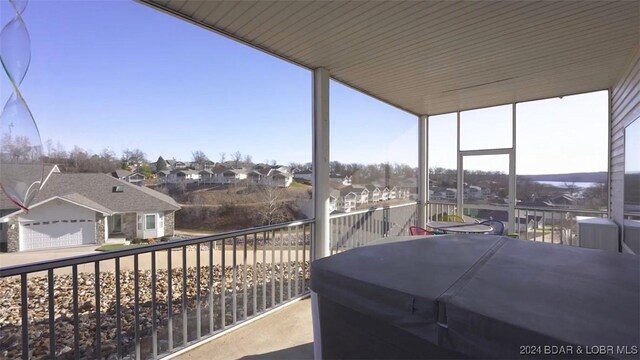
{"type": "Point", "coordinates": [321, 244]}
{"type": "Point", "coordinates": [423, 170]}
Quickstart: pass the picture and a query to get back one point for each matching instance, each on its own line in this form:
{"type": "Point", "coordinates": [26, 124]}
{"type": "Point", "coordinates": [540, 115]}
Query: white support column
{"type": "Point", "coordinates": [320, 180]}
{"type": "Point", "coordinates": [460, 177]}
{"type": "Point", "coordinates": [512, 174]}
{"type": "Point", "coordinates": [423, 169]}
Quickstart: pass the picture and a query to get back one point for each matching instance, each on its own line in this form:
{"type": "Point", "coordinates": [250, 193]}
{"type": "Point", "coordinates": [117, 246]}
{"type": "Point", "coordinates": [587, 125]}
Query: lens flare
{"type": "Point", "coordinates": [21, 165]}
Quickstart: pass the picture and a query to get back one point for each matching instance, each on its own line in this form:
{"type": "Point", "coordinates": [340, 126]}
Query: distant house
{"type": "Point", "coordinates": [303, 175]}
{"type": "Point", "coordinates": [163, 176]}
{"type": "Point", "coordinates": [128, 176]}
{"type": "Point", "coordinates": [474, 192]}
{"type": "Point", "coordinates": [340, 179]}
{"type": "Point", "coordinates": [279, 177]}
{"type": "Point", "coordinates": [362, 192]}
{"type": "Point", "coordinates": [183, 176]}
{"type": "Point", "coordinates": [206, 177]}
{"type": "Point", "coordinates": [374, 193]}
{"type": "Point", "coordinates": [255, 177]}
{"type": "Point", "coordinates": [393, 193]}
{"type": "Point", "coordinates": [80, 208]}
{"type": "Point", "coordinates": [384, 195]}
{"type": "Point", "coordinates": [232, 176]}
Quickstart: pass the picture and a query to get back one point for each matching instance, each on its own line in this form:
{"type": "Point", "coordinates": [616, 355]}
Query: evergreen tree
{"type": "Point", "coordinates": [161, 164]}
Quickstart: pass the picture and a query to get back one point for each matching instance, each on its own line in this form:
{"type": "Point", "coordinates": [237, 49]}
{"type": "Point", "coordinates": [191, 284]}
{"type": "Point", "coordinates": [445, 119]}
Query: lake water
{"type": "Point", "coordinates": [563, 184]}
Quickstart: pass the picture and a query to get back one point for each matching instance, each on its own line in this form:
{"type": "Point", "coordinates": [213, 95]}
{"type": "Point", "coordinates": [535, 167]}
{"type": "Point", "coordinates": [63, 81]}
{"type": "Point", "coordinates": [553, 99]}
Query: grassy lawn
{"type": "Point", "coordinates": [116, 247]}
{"type": "Point", "coordinates": [297, 185]}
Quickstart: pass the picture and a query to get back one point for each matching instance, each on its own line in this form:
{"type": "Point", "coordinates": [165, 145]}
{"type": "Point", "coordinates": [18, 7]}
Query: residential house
{"type": "Point", "coordinates": [393, 193]}
{"type": "Point", "coordinates": [232, 176]}
{"type": "Point", "coordinates": [362, 192]}
{"type": "Point", "coordinates": [183, 176]}
{"type": "Point", "coordinates": [384, 195]}
{"type": "Point", "coordinates": [374, 193]}
{"type": "Point", "coordinates": [474, 192]}
{"type": "Point", "coordinates": [340, 179]}
{"type": "Point", "coordinates": [279, 177]}
{"type": "Point", "coordinates": [86, 208]}
{"type": "Point", "coordinates": [206, 176]}
{"type": "Point", "coordinates": [255, 177]}
{"type": "Point", "coordinates": [128, 176]}
{"type": "Point", "coordinates": [163, 176]}
{"type": "Point", "coordinates": [303, 175]}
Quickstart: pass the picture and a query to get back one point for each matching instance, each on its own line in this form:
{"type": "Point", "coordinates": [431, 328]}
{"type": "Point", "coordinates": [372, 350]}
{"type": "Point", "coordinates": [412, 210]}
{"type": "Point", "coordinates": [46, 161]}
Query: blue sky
{"type": "Point", "coordinates": [117, 74]}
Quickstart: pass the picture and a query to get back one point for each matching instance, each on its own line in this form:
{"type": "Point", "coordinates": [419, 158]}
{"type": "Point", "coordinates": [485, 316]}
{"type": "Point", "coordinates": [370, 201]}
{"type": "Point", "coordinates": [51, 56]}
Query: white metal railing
{"type": "Point", "coordinates": [146, 301]}
{"type": "Point", "coordinates": [437, 210]}
{"type": "Point", "coordinates": [556, 226]}
{"type": "Point", "coordinates": [360, 228]}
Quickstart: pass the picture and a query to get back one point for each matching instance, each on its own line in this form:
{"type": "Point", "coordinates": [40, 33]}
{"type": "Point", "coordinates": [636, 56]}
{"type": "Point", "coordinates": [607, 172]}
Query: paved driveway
{"type": "Point", "coordinates": [25, 257]}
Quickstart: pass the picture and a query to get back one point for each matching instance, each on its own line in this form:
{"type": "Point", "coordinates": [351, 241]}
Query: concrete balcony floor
{"type": "Point", "coordinates": [285, 334]}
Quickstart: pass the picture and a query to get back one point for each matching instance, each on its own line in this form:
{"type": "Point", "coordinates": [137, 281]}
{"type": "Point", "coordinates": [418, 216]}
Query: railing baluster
{"type": "Point", "coordinates": [289, 263]}
{"type": "Point", "coordinates": [198, 307]}
{"type": "Point", "coordinates": [154, 314]}
{"type": "Point", "coordinates": [526, 215]}
{"type": "Point", "coordinates": [223, 292]}
{"type": "Point", "coordinates": [264, 271]}
{"type": "Point", "coordinates": [98, 348]}
{"type": "Point", "coordinates": [273, 269]}
{"type": "Point", "coordinates": [169, 301]}
{"type": "Point", "coordinates": [185, 327]}
{"type": "Point", "coordinates": [255, 274]}
{"type": "Point", "coordinates": [136, 304]}
{"type": "Point", "coordinates": [234, 273]}
{"type": "Point", "coordinates": [211, 324]}
{"type": "Point", "coordinates": [52, 332]}
{"type": "Point", "coordinates": [24, 312]}
{"type": "Point", "coordinates": [304, 255]}
{"type": "Point", "coordinates": [76, 316]}
{"type": "Point", "coordinates": [552, 225]}
{"type": "Point", "coordinates": [244, 280]}
{"type": "Point", "coordinates": [353, 225]}
{"type": "Point", "coordinates": [118, 314]}
{"type": "Point", "coordinates": [297, 266]}
{"type": "Point", "coordinates": [281, 267]}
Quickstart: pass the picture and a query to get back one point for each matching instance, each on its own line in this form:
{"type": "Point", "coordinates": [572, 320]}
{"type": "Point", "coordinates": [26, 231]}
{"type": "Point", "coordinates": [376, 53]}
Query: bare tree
{"type": "Point", "coordinates": [133, 157]}
{"type": "Point", "coordinates": [236, 157]}
{"type": "Point", "coordinates": [248, 160]}
{"type": "Point", "coordinates": [223, 156]}
{"type": "Point", "coordinates": [272, 210]}
{"type": "Point", "coordinates": [200, 159]}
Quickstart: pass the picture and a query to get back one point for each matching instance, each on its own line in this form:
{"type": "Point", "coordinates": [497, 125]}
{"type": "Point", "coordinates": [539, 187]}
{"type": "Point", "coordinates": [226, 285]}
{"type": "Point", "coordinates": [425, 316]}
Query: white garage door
{"type": "Point", "coordinates": [58, 233]}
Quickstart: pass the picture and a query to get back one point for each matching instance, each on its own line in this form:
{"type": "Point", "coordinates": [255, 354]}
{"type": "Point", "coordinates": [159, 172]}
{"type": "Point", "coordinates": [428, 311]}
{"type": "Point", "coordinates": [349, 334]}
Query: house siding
{"type": "Point", "coordinates": [625, 108]}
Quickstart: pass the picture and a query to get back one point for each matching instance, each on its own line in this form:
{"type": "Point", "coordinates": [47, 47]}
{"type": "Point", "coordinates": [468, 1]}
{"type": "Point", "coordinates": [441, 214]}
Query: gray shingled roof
{"type": "Point", "coordinates": [121, 173]}
{"type": "Point", "coordinates": [92, 189]}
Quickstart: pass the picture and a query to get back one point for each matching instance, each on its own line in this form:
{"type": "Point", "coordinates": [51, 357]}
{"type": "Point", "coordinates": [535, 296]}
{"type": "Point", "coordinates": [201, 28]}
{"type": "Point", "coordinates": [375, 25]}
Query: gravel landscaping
{"type": "Point", "coordinates": [266, 278]}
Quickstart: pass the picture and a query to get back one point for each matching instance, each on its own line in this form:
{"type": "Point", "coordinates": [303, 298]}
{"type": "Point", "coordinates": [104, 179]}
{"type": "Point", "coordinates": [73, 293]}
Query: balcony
{"type": "Point", "coordinates": [220, 291]}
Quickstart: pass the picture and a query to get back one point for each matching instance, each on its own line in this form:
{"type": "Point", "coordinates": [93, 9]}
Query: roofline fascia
{"type": "Point", "coordinates": [2, 219]}
{"type": "Point", "coordinates": [517, 102]}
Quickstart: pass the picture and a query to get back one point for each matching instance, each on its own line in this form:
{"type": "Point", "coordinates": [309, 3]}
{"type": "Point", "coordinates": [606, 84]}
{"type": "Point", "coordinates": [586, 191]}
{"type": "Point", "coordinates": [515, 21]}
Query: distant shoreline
{"type": "Point", "coordinates": [584, 177]}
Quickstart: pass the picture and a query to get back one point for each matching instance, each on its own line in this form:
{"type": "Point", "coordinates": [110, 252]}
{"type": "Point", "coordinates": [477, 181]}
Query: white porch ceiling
{"type": "Point", "coordinates": [432, 57]}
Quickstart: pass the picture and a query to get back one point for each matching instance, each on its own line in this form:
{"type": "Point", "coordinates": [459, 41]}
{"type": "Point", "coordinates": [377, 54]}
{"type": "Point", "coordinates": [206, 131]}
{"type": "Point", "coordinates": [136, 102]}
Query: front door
{"type": "Point", "coordinates": [117, 223]}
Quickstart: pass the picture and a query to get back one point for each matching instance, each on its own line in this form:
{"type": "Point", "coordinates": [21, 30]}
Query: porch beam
{"type": "Point", "coordinates": [423, 169]}
{"type": "Point", "coordinates": [320, 166]}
